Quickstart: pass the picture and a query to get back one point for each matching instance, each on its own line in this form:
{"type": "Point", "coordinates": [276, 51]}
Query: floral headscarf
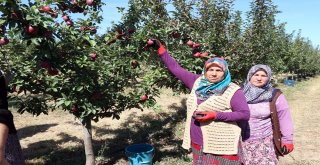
{"type": "Point", "coordinates": [255, 94]}
{"type": "Point", "coordinates": [206, 88]}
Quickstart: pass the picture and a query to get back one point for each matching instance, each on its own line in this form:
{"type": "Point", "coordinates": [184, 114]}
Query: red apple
{"type": "Point", "coordinates": [175, 35]}
{"type": "Point", "coordinates": [45, 64]}
{"type": "Point", "coordinates": [204, 54]}
{"type": "Point", "coordinates": [74, 108]}
{"type": "Point", "coordinates": [74, 2]}
{"type": "Point", "coordinates": [150, 42]}
{"type": "Point", "coordinates": [144, 98]}
{"type": "Point", "coordinates": [130, 31]}
{"type": "Point", "coordinates": [32, 30]}
{"type": "Point", "coordinates": [190, 43]}
{"type": "Point", "coordinates": [134, 64]}
{"type": "Point", "coordinates": [46, 8]}
{"type": "Point", "coordinates": [62, 6]}
{"type": "Point", "coordinates": [83, 28]}
{"type": "Point", "coordinates": [4, 41]}
{"type": "Point", "coordinates": [195, 45]}
{"type": "Point", "coordinates": [89, 2]}
{"type": "Point", "coordinates": [69, 23]}
{"type": "Point", "coordinates": [197, 54]}
{"type": "Point", "coordinates": [93, 56]}
{"type": "Point", "coordinates": [53, 71]}
{"type": "Point", "coordinates": [93, 30]}
{"type": "Point", "coordinates": [54, 15]}
{"type": "Point", "coordinates": [15, 15]}
{"type": "Point", "coordinates": [65, 18]}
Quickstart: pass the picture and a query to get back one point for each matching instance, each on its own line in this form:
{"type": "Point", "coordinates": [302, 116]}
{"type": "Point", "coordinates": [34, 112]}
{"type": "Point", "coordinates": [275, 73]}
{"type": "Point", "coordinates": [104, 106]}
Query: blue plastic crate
{"type": "Point", "coordinates": [289, 82]}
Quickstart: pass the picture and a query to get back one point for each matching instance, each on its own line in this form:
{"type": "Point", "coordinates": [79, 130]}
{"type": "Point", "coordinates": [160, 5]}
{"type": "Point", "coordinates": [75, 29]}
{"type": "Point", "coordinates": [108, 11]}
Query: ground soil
{"type": "Point", "coordinates": [305, 111]}
{"type": "Point", "coordinates": [57, 137]}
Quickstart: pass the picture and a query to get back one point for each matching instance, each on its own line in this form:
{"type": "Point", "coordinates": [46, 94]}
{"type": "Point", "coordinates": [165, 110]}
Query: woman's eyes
{"type": "Point", "coordinates": [257, 75]}
{"type": "Point", "coordinates": [217, 70]}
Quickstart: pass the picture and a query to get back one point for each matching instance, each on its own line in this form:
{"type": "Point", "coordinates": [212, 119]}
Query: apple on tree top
{"type": "Point", "coordinates": [69, 23]}
{"type": "Point", "coordinates": [89, 2]}
{"type": "Point", "coordinates": [65, 18]}
{"type": "Point", "coordinates": [45, 8]}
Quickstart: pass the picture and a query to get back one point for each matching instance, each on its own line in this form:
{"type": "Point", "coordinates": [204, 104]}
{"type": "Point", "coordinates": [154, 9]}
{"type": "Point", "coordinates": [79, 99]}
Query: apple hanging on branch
{"type": "Point", "coordinates": [204, 54]}
{"type": "Point", "coordinates": [144, 98]}
{"type": "Point", "coordinates": [4, 41]}
{"type": "Point", "coordinates": [93, 56]}
{"type": "Point", "coordinates": [74, 109]}
{"type": "Point", "coordinates": [134, 64]}
{"type": "Point", "coordinates": [46, 9]}
{"type": "Point", "coordinates": [32, 30]}
{"type": "Point", "coordinates": [150, 42]}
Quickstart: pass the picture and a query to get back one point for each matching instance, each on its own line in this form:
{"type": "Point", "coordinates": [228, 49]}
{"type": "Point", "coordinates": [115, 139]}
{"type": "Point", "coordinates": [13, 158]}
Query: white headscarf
{"type": "Point", "coordinates": [255, 94]}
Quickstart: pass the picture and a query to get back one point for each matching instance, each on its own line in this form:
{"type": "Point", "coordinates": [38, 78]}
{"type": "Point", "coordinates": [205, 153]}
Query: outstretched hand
{"type": "Point", "coordinates": [156, 44]}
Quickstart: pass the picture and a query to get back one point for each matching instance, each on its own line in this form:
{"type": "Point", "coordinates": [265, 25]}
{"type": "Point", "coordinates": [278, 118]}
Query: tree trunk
{"type": "Point", "coordinates": [87, 139]}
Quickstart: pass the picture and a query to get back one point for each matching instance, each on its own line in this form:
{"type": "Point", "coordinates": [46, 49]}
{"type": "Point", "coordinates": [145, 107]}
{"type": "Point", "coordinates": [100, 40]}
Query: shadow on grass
{"type": "Point", "coordinates": [50, 152]}
{"type": "Point", "coordinates": [32, 130]}
{"type": "Point", "coordinates": [158, 129]}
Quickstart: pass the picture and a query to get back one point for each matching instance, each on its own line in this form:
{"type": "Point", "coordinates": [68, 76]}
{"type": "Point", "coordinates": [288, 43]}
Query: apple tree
{"type": "Point", "coordinates": [61, 63]}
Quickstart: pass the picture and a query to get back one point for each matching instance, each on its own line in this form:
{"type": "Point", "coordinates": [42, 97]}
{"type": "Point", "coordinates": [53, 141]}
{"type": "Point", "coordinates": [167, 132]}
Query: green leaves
{"type": "Point", "coordinates": [65, 65]}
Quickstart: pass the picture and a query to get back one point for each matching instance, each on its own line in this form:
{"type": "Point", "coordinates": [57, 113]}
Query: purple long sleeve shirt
{"type": "Point", "coordinates": [240, 110]}
{"type": "Point", "coordinates": [260, 122]}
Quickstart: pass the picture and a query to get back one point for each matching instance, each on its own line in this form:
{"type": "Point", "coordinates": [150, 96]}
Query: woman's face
{"type": "Point", "coordinates": [214, 74]}
{"type": "Point", "coordinates": [259, 79]}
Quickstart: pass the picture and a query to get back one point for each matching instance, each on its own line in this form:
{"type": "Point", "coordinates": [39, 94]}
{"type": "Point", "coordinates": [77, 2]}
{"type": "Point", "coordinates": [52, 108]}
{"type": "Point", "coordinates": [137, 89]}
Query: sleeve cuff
{"type": "Point", "coordinates": [161, 50]}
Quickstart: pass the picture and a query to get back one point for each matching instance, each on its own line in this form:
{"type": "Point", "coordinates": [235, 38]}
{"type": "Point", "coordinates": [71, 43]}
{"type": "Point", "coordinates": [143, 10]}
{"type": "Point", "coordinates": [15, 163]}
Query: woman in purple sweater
{"type": "Point", "coordinates": [215, 107]}
{"type": "Point", "coordinates": [259, 149]}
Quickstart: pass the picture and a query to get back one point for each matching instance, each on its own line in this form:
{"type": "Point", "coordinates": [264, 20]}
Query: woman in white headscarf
{"type": "Point", "coordinates": [259, 148]}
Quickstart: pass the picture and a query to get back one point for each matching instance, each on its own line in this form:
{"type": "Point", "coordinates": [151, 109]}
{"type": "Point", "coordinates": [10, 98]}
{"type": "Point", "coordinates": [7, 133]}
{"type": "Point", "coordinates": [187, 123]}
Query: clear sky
{"type": "Point", "coordinates": [298, 14]}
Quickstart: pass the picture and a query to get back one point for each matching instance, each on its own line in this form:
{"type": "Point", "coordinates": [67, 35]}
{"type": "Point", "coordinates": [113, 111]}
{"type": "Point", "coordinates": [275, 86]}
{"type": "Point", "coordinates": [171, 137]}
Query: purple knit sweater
{"type": "Point", "coordinates": [240, 110]}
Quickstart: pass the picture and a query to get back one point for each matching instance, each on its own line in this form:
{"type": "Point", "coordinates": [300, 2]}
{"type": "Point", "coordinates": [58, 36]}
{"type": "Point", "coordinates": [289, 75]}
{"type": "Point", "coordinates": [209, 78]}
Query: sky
{"type": "Point", "coordinates": [297, 14]}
